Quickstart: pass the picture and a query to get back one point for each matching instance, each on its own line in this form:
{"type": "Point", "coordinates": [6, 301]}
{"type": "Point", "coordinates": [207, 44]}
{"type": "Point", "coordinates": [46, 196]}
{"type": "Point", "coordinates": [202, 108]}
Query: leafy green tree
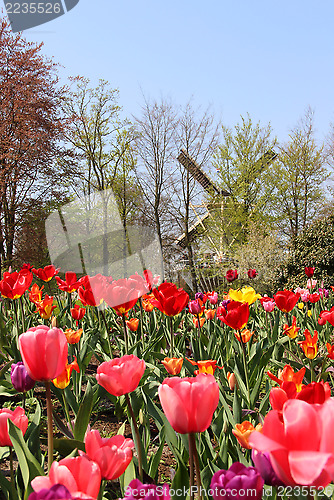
{"type": "Point", "coordinates": [242, 161]}
{"type": "Point", "coordinates": [298, 179]}
{"type": "Point", "coordinates": [314, 246]}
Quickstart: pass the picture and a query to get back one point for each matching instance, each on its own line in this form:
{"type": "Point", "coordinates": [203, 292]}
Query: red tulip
{"type": "Point", "coordinates": [301, 444]}
{"type": "Point", "coordinates": [231, 275]}
{"type": "Point", "coordinates": [70, 284]}
{"type": "Point", "coordinates": [235, 314]}
{"type": "Point", "coordinates": [309, 271]}
{"type": "Point", "coordinates": [77, 312]}
{"type": "Point", "coordinates": [327, 316]}
{"type": "Point", "coordinates": [18, 417]}
{"type": "Point", "coordinates": [44, 352]}
{"type": "Point", "coordinates": [252, 273]}
{"type": "Point", "coordinates": [189, 403]}
{"type": "Point", "coordinates": [13, 285]}
{"type": "Point", "coordinates": [286, 300]}
{"type": "Point", "coordinates": [123, 294]}
{"type": "Point", "coordinates": [92, 290]}
{"type": "Point", "coordinates": [169, 299]}
{"type": "Point", "coordinates": [80, 475]}
{"type": "Point", "coordinates": [112, 455]}
{"type": "Point", "coordinates": [314, 297]}
{"type": "Point", "coordinates": [46, 273]}
{"type": "Point", "coordinates": [121, 375]}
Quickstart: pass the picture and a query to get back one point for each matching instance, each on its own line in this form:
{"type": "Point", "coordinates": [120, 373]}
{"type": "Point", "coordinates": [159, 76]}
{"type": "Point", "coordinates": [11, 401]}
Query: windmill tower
{"type": "Point", "coordinates": [201, 227]}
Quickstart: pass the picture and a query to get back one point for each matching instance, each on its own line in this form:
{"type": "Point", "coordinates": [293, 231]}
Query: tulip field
{"type": "Point", "coordinates": [234, 388]}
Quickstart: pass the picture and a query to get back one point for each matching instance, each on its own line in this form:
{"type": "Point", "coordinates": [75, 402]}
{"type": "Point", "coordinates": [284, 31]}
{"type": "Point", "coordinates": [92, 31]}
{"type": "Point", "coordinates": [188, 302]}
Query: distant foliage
{"type": "Point", "coordinates": [313, 247]}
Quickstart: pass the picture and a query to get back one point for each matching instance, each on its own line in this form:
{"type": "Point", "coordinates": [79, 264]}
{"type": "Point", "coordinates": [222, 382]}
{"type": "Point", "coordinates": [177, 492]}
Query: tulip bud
{"type": "Point", "coordinates": [20, 378]}
{"type": "Point", "coordinates": [252, 273]}
{"type": "Point", "coordinates": [263, 466]}
{"type": "Point", "coordinates": [232, 381]}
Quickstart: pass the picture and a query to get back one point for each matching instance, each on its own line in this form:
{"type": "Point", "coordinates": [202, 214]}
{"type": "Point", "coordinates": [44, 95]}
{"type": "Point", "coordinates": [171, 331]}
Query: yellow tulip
{"type": "Point", "coordinates": [245, 294]}
{"type": "Point", "coordinates": [300, 305]}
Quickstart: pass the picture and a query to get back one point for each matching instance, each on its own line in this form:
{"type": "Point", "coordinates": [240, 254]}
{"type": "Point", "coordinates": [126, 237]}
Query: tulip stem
{"type": "Point", "coordinates": [125, 334]}
{"type": "Point", "coordinates": [191, 467]}
{"type": "Point", "coordinates": [137, 438]}
{"type": "Point", "coordinates": [192, 438]}
{"type": "Point", "coordinates": [171, 337]}
{"type": "Point", "coordinates": [107, 331]}
{"type": "Point", "coordinates": [102, 487]}
{"type": "Point", "coordinates": [245, 365]}
{"type": "Point", "coordinates": [141, 324]}
{"type": "Point", "coordinates": [50, 423]}
{"type": "Point", "coordinates": [22, 315]}
{"type": "Point", "coordinates": [16, 320]}
{"type": "Point", "coordinates": [198, 328]}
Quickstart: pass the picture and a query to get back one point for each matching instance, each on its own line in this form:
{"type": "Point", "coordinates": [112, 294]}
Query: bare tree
{"type": "Point", "coordinates": [155, 149]}
{"type": "Point", "coordinates": [198, 135]}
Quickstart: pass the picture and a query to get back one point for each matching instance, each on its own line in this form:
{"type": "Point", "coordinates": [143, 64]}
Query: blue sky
{"type": "Point", "coordinates": [269, 58]}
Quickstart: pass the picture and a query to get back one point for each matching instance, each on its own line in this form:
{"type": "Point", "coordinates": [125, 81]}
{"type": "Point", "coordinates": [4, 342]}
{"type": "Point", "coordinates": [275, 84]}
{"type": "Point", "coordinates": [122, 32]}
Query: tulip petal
{"type": "Point", "coordinates": [306, 466]}
{"type": "Point", "coordinates": [174, 408]}
{"type": "Point", "coordinates": [302, 425]}
{"type": "Point", "coordinates": [41, 482]}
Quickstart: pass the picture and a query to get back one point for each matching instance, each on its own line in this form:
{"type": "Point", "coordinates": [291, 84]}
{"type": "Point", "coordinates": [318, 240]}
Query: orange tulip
{"type": "Point", "coordinates": [63, 380]}
{"type": "Point", "coordinates": [35, 293]}
{"type": "Point", "coordinates": [45, 307]}
{"type": "Point", "coordinates": [210, 313]}
{"type": "Point", "coordinates": [243, 431]}
{"type": "Point", "coordinates": [173, 365]}
{"type": "Point", "coordinates": [132, 324]}
{"type": "Point", "coordinates": [288, 375]}
{"type": "Point", "coordinates": [201, 322]}
{"type": "Point", "coordinates": [207, 366]}
{"type": "Point", "coordinates": [73, 336]}
{"type": "Point", "coordinates": [309, 345]}
{"type": "Point", "coordinates": [245, 335]}
{"type": "Point", "coordinates": [291, 331]}
{"type": "Point", "coordinates": [330, 349]}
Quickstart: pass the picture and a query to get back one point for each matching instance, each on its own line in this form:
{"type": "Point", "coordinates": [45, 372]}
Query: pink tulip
{"type": "Point", "coordinates": [80, 475]}
{"type": "Point", "coordinates": [189, 403]}
{"type": "Point", "coordinates": [113, 455]}
{"type": "Point", "coordinates": [300, 444]}
{"type": "Point", "coordinates": [44, 352]}
{"type": "Point", "coordinates": [18, 417]}
{"type": "Point", "coordinates": [121, 375]}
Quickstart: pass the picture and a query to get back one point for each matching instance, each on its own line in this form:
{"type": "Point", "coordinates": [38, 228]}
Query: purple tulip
{"type": "Point", "coordinates": [20, 378]}
{"type": "Point", "coordinates": [224, 303]}
{"type": "Point", "coordinates": [195, 307]}
{"type": "Point", "coordinates": [263, 466]}
{"type": "Point", "coordinates": [199, 295]}
{"type": "Point", "coordinates": [137, 490]}
{"type": "Point", "coordinates": [56, 492]}
{"type": "Point", "coordinates": [237, 483]}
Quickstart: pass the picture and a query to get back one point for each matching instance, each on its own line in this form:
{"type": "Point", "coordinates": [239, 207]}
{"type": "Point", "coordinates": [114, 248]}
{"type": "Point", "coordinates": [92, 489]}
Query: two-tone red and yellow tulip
{"type": "Point", "coordinates": [189, 403]}
{"type": "Point", "coordinates": [206, 366]}
{"type": "Point", "coordinates": [35, 293]}
{"type": "Point", "coordinates": [63, 380]}
{"type": "Point", "coordinates": [122, 294]}
{"type": "Point", "coordinates": [309, 345]}
{"type": "Point", "coordinates": [45, 307]}
{"type": "Point", "coordinates": [47, 273]}
{"type": "Point", "coordinates": [70, 284]}
{"type": "Point", "coordinates": [13, 285]}
{"type": "Point", "coordinates": [291, 330]}
{"type": "Point", "coordinates": [288, 375]}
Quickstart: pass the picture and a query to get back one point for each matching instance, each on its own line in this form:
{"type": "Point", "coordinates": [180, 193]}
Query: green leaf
{"type": "Point", "coordinates": [83, 416]}
{"type": "Point", "coordinates": [29, 466]}
{"type": "Point", "coordinates": [180, 483]}
{"type": "Point", "coordinates": [66, 446]}
{"type": "Point", "coordinates": [156, 456]}
{"type": "Point", "coordinates": [126, 478]}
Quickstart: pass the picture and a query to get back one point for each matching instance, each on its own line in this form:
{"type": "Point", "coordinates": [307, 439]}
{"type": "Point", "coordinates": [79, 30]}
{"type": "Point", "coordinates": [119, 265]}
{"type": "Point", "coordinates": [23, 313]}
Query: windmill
{"type": "Point", "coordinates": [201, 227]}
